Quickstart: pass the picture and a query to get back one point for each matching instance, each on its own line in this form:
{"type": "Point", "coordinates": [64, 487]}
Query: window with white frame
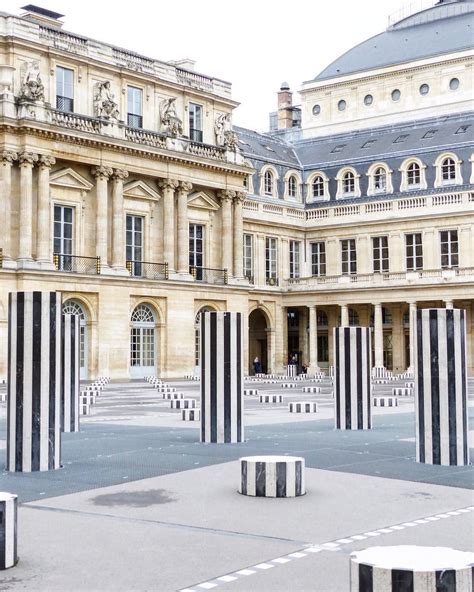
{"type": "Point", "coordinates": [134, 244]}
{"type": "Point", "coordinates": [353, 317]}
{"type": "Point", "coordinates": [317, 186]}
{"type": "Point", "coordinates": [348, 183]}
{"type": "Point", "coordinates": [380, 253]}
{"type": "Point", "coordinates": [413, 175]}
{"type": "Point", "coordinates": [63, 233]}
{"type": "Point", "coordinates": [448, 171]}
{"type": "Point", "coordinates": [414, 251]}
{"type": "Point", "coordinates": [348, 257]}
{"type": "Point", "coordinates": [268, 183]}
{"type": "Point", "coordinates": [318, 259]}
{"type": "Point", "coordinates": [134, 107]}
{"type": "Point", "coordinates": [295, 248]}
{"type": "Point", "coordinates": [248, 257]}
{"type": "Point", "coordinates": [449, 248]}
{"type": "Point", "coordinates": [292, 187]}
{"type": "Point", "coordinates": [271, 260]}
{"type": "Point", "coordinates": [195, 122]}
{"type": "Point", "coordinates": [64, 89]}
{"type": "Point", "coordinates": [380, 180]}
{"type": "Point", "coordinates": [196, 250]}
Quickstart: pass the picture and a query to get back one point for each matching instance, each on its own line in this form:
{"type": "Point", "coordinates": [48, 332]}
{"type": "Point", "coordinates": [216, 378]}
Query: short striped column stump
{"type": "Point", "coordinates": [289, 385]}
{"type": "Point", "coordinates": [402, 391]}
{"type": "Point", "coordinates": [173, 396]}
{"type": "Point", "coordinates": [93, 387]}
{"type": "Point", "coordinates": [311, 389]}
{"type": "Point", "coordinates": [303, 407]}
{"type": "Point", "coordinates": [385, 402]}
{"type": "Point", "coordinates": [191, 415]}
{"type": "Point", "coordinates": [166, 389]}
{"type": "Point", "coordinates": [270, 398]}
{"type": "Point", "coordinates": [409, 568]}
{"type": "Point", "coordinates": [409, 384]}
{"type": "Point", "coordinates": [272, 476]}
{"type": "Point", "coordinates": [8, 530]}
{"type": "Point", "coordinates": [249, 392]}
{"type": "Point", "coordinates": [88, 397]}
{"type": "Point", "coordinates": [84, 408]}
{"type": "Point", "coordinates": [292, 370]}
{"type": "Point", "coordinates": [3, 397]}
{"type": "Point", "coordinates": [183, 403]}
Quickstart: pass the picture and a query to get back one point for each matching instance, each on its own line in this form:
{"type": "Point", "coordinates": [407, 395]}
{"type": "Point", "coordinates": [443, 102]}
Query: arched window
{"type": "Point", "coordinates": [142, 341]}
{"type": "Point", "coordinates": [322, 318]}
{"type": "Point", "coordinates": [197, 336]}
{"type": "Point", "coordinates": [268, 183]}
{"type": "Point", "coordinates": [413, 175]}
{"type": "Point", "coordinates": [380, 180]}
{"type": "Point", "coordinates": [448, 170]}
{"type": "Point", "coordinates": [348, 183]}
{"type": "Point", "coordinates": [292, 187]}
{"type": "Point", "coordinates": [353, 317]}
{"type": "Point", "coordinates": [318, 187]}
{"type": "Point", "coordinates": [75, 308]}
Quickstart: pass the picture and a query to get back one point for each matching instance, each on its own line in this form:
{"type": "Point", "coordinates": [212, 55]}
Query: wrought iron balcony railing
{"type": "Point", "coordinates": [147, 270]}
{"type": "Point", "coordinates": [77, 264]}
{"type": "Point", "coordinates": [209, 275]}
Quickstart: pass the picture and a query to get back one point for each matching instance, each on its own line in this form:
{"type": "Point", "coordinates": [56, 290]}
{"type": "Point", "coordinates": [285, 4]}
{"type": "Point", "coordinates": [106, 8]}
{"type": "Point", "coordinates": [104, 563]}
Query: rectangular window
{"type": "Point", "coordinates": [134, 244]}
{"type": "Point", "coordinates": [196, 250]}
{"type": "Point", "coordinates": [414, 251]}
{"type": "Point", "coordinates": [318, 259]}
{"type": "Point", "coordinates": [449, 248]}
{"type": "Point", "coordinates": [380, 253]}
{"type": "Point", "coordinates": [248, 257]}
{"type": "Point", "coordinates": [348, 257]}
{"type": "Point", "coordinates": [295, 259]}
{"type": "Point", "coordinates": [64, 89]}
{"type": "Point", "coordinates": [134, 107]}
{"type": "Point", "coordinates": [271, 261]}
{"type": "Point", "coordinates": [63, 236]}
{"type": "Point", "coordinates": [195, 122]}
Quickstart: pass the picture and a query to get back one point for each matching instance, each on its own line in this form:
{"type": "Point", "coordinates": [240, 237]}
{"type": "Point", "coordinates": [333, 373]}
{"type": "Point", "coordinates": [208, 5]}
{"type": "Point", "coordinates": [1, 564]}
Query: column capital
{"type": "Point", "coordinates": [184, 187]}
{"type": "Point", "coordinates": [27, 159]}
{"type": "Point", "coordinates": [102, 172]}
{"type": "Point", "coordinates": [46, 161]}
{"type": "Point", "coordinates": [240, 197]}
{"type": "Point", "coordinates": [226, 195]}
{"type": "Point", "coordinates": [168, 184]}
{"type": "Point", "coordinates": [8, 156]}
{"type": "Point", "coordinates": [119, 174]}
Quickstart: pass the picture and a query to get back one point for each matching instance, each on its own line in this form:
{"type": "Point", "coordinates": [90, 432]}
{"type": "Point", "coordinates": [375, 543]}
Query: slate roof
{"type": "Point", "coordinates": [265, 147]}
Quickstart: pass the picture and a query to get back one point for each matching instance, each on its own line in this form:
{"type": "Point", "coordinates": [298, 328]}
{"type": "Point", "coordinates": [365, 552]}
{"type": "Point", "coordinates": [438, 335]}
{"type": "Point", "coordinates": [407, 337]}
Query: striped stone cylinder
{"type": "Point", "coordinates": [249, 392]}
{"type": "Point", "coordinates": [311, 389]}
{"type": "Point", "coordinates": [191, 414]}
{"type": "Point", "coordinates": [222, 417]}
{"type": "Point", "coordinates": [385, 402]}
{"type": "Point", "coordinates": [173, 396]}
{"type": "Point", "coordinates": [34, 382]}
{"type": "Point", "coordinates": [352, 386]}
{"type": "Point", "coordinates": [70, 367]}
{"type": "Point", "coordinates": [289, 385]}
{"type": "Point", "coordinates": [291, 370]}
{"type": "Point", "coordinates": [403, 391]}
{"type": "Point", "coordinates": [270, 398]}
{"type": "Point", "coordinates": [409, 568]}
{"type": "Point", "coordinates": [302, 407]}
{"type": "Point", "coordinates": [441, 387]}
{"type": "Point", "coordinates": [88, 397]}
{"type": "Point", "coordinates": [84, 407]}
{"type": "Point", "coordinates": [183, 403]}
{"type": "Point", "coordinates": [272, 476]}
{"type": "Point", "coordinates": [8, 530]}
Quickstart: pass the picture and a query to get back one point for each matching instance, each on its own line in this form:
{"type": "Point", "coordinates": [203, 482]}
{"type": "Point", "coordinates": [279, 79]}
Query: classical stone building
{"type": "Point", "coordinates": [125, 186]}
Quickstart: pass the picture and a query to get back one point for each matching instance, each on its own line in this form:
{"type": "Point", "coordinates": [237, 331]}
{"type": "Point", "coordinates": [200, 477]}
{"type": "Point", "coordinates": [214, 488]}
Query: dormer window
{"type": "Point", "coordinates": [348, 183]}
{"type": "Point", "coordinates": [318, 187]}
{"type": "Point", "coordinates": [380, 180]}
{"type": "Point", "coordinates": [268, 183]}
{"type": "Point", "coordinates": [292, 187]}
{"type": "Point", "coordinates": [413, 175]}
{"type": "Point", "coordinates": [448, 171]}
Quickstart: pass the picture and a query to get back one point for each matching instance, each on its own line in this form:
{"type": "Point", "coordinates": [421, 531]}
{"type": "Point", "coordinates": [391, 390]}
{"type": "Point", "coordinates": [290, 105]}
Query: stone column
{"type": "Point", "coordinates": [118, 234]}
{"type": "Point", "coordinates": [27, 161]}
{"type": "Point", "coordinates": [239, 235]}
{"type": "Point", "coordinates": [449, 304]}
{"type": "Point", "coordinates": [412, 320]}
{"type": "Point", "coordinates": [183, 227]}
{"type": "Point", "coordinates": [378, 336]}
{"type": "Point", "coordinates": [313, 340]}
{"type": "Point", "coordinates": [344, 315]}
{"type": "Point", "coordinates": [8, 530]}
{"type": "Point", "coordinates": [7, 157]}
{"type": "Point", "coordinates": [168, 186]}
{"type": "Point", "coordinates": [70, 369]}
{"type": "Point", "coordinates": [226, 201]}
{"type": "Point", "coordinates": [43, 236]}
{"type": "Point", "coordinates": [102, 174]}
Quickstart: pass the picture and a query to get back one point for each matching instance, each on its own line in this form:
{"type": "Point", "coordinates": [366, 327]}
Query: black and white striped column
{"type": "Point", "coordinates": [272, 476]}
{"type": "Point", "coordinates": [222, 418]}
{"type": "Point", "coordinates": [441, 387]}
{"type": "Point", "coordinates": [352, 386]}
{"type": "Point", "coordinates": [8, 530]}
{"type": "Point", "coordinates": [34, 381]}
{"type": "Point", "coordinates": [409, 568]}
{"type": "Point", "coordinates": [70, 373]}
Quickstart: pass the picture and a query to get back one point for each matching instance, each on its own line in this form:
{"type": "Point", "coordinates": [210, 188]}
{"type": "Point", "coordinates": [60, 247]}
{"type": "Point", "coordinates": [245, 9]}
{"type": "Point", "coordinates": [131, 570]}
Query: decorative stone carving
{"type": "Point", "coordinates": [32, 88]}
{"type": "Point", "coordinates": [231, 141]}
{"type": "Point", "coordinates": [105, 106]}
{"type": "Point", "coordinates": [240, 196]}
{"type": "Point", "coordinates": [185, 187]}
{"type": "Point", "coordinates": [27, 158]}
{"type": "Point", "coordinates": [46, 161]}
{"type": "Point", "coordinates": [102, 172]}
{"type": "Point", "coordinates": [225, 136]}
{"type": "Point", "coordinates": [168, 184]}
{"type": "Point", "coordinates": [226, 195]}
{"type": "Point", "coordinates": [8, 156]}
{"type": "Point", "coordinates": [120, 174]}
{"type": "Point", "coordinates": [170, 121]}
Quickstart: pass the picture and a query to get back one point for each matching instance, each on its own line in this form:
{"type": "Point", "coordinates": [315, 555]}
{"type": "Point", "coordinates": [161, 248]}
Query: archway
{"type": "Point", "coordinates": [76, 308]}
{"type": "Point", "coordinates": [258, 340]}
{"type": "Point", "coordinates": [142, 342]}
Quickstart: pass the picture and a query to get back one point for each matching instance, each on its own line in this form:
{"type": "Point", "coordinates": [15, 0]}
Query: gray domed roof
{"type": "Point", "coordinates": [446, 27]}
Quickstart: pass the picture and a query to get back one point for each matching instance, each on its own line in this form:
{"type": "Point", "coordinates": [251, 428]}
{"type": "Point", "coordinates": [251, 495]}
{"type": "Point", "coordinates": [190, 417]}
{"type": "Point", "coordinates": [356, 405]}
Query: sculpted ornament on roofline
{"type": "Point", "coordinates": [32, 88]}
{"type": "Point", "coordinates": [170, 121]}
{"type": "Point", "coordinates": [104, 103]}
{"type": "Point", "coordinates": [225, 136]}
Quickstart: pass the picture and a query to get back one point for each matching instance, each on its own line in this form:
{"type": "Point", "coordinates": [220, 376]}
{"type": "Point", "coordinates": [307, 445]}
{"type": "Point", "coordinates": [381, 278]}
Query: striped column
{"type": "Point", "coordinates": [8, 530]}
{"type": "Point", "coordinates": [222, 417]}
{"type": "Point", "coordinates": [352, 387]}
{"type": "Point", "coordinates": [409, 568]}
{"type": "Point", "coordinates": [70, 357]}
{"type": "Point", "coordinates": [441, 387]}
{"type": "Point", "coordinates": [34, 381]}
{"type": "Point", "coordinates": [272, 476]}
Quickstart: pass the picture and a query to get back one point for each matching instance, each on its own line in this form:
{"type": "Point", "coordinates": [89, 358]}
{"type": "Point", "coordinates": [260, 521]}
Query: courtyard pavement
{"type": "Point", "coordinates": [141, 504]}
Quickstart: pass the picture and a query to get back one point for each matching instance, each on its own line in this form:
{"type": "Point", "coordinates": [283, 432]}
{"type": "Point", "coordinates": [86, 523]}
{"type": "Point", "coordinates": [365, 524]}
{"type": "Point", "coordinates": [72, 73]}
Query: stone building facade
{"type": "Point", "coordinates": [125, 186]}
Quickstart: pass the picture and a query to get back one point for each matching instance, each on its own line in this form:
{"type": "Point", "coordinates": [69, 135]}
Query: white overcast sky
{"type": "Point", "coordinates": [254, 44]}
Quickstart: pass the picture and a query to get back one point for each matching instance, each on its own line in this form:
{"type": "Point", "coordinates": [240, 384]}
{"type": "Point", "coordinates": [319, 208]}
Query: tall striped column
{"type": "Point", "coordinates": [352, 387]}
{"type": "Point", "coordinates": [8, 530]}
{"type": "Point", "coordinates": [70, 373]}
{"type": "Point", "coordinates": [441, 387]}
{"type": "Point", "coordinates": [222, 418]}
{"type": "Point", "coordinates": [34, 381]}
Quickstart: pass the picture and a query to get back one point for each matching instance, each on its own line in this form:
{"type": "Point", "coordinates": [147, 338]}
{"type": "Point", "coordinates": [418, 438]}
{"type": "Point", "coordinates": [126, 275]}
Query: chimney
{"type": "Point", "coordinates": [285, 107]}
{"type": "Point", "coordinates": [42, 16]}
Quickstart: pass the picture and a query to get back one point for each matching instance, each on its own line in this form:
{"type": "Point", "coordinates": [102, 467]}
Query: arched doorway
{"type": "Point", "coordinates": [197, 339]}
{"type": "Point", "coordinates": [258, 339]}
{"type": "Point", "coordinates": [142, 342]}
{"type": "Point", "coordinates": [74, 307]}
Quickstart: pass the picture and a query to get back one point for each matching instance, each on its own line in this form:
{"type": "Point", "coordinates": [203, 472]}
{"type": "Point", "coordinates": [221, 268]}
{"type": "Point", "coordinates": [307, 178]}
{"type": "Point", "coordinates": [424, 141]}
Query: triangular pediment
{"type": "Point", "coordinates": [202, 201]}
{"type": "Point", "coordinates": [71, 179]}
{"type": "Point", "coordinates": [140, 190]}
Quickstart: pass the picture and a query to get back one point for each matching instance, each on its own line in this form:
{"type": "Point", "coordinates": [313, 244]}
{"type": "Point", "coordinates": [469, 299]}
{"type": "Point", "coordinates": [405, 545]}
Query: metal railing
{"type": "Point", "coordinates": [209, 275]}
{"type": "Point", "coordinates": [77, 264]}
{"type": "Point", "coordinates": [65, 104]}
{"type": "Point", "coordinates": [147, 270]}
{"type": "Point", "coordinates": [135, 121]}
